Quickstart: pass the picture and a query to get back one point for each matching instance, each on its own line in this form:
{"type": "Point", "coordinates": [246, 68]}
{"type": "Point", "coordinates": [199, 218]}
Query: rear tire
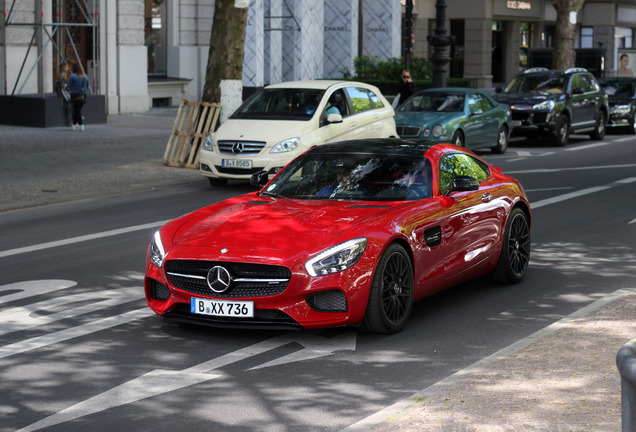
{"type": "Point", "coordinates": [515, 250]}
{"type": "Point", "coordinates": [391, 294]}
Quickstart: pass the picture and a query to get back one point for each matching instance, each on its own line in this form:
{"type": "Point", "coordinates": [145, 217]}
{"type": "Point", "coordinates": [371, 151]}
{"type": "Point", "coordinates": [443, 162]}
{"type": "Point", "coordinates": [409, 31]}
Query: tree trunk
{"type": "Point", "coordinates": [563, 55]}
{"type": "Point", "coordinates": [225, 58]}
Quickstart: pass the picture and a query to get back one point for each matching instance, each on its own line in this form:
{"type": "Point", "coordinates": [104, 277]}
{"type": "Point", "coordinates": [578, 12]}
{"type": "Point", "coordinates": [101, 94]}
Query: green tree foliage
{"type": "Point", "coordinates": [377, 69]}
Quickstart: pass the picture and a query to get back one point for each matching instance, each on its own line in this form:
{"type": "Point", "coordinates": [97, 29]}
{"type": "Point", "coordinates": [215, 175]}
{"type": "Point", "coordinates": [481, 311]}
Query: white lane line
{"type": "Point", "coordinates": [80, 239]}
{"type": "Point", "coordinates": [580, 193]}
{"type": "Point", "coordinates": [551, 170]}
{"type": "Point", "coordinates": [32, 288]}
{"type": "Point", "coordinates": [74, 332]}
{"type": "Point", "coordinates": [588, 146]}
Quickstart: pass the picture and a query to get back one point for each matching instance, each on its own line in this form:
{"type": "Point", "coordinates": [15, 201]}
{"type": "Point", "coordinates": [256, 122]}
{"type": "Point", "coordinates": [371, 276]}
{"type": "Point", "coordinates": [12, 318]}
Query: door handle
{"type": "Point", "coordinates": [486, 197]}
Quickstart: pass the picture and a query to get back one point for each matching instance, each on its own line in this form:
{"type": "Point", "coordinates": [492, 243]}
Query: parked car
{"type": "Point", "coordinates": [622, 102]}
{"type": "Point", "coordinates": [556, 103]}
{"type": "Point", "coordinates": [284, 120]}
{"type": "Point", "coordinates": [462, 116]}
{"type": "Point", "coordinates": [349, 233]}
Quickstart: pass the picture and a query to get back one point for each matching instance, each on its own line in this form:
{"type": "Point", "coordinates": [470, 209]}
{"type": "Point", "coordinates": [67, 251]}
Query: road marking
{"type": "Point", "coordinates": [80, 239]}
{"type": "Point", "coordinates": [34, 315]}
{"type": "Point", "coordinates": [32, 288]}
{"type": "Point", "coordinates": [551, 170]}
{"type": "Point", "coordinates": [73, 332]}
{"type": "Point", "coordinates": [580, 193]}
{"type": "Point", "coordinates": [160, 381]}
{"type": "Point", "coordinates": [588, 146]}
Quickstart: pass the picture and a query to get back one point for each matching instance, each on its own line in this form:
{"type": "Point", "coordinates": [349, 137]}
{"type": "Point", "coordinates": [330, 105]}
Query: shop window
{"type": "Point", "coordinates": [587, 37]}
{"type": "Point", "coordinates": [155, 36]}
{"type": "Point", "coordinates": [624, 37]}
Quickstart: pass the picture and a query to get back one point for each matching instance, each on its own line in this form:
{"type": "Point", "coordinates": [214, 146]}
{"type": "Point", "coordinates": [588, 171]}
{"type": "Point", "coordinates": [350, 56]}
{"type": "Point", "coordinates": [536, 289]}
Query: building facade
{"type": "Point", "coordinates": [144, 53]}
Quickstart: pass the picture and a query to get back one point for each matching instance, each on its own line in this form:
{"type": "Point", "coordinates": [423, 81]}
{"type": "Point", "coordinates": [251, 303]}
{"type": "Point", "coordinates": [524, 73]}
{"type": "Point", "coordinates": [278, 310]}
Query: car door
{"type": "Point", "coordinates": [363, 116]}
{"type": "Point", "coordinates": [329, 132]}
{"type": "Point", "coordinates": [476, 123]}
{"type": "Point", "coordinates": [472, 227]}
{"type": "Point", "coordinates": [581, 111]}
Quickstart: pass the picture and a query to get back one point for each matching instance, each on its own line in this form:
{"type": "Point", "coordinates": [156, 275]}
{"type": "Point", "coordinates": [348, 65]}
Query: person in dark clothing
{"type": "Point", "coordinates": [78, 86]}
{"type": "Point", "coordinates": [406, 87]}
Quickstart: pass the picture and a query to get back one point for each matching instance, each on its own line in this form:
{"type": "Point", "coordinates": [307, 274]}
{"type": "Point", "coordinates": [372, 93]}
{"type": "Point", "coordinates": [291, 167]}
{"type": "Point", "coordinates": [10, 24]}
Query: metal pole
{"type": "Point", "coordinates": [440, 42]}
{"type": "Point", "coordinates": [626, 363]}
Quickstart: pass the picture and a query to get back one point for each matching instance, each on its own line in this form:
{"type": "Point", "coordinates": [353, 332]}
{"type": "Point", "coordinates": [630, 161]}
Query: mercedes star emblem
{"type": "Point", "coordinates": [237, 148]}
{"type": "Point", "coordinates": [219, 279]}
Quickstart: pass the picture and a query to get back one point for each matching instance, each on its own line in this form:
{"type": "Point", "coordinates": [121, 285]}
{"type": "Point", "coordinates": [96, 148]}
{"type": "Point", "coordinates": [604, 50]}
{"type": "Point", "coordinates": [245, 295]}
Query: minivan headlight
{"type": "Point", "coordinates": [208, 143]}
{"type": "Point", "coordinates": [336, 258]}
{"type": "Point", "coordinates": [286, 146]}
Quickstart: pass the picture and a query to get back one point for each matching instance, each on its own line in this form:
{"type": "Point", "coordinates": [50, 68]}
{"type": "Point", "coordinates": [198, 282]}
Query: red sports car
{"type": "Point", "coordinates": [347, 234]}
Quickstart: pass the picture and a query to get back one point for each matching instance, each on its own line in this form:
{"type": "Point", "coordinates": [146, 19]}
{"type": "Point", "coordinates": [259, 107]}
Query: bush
{"type": "Point", "coordinates": [376, 69]}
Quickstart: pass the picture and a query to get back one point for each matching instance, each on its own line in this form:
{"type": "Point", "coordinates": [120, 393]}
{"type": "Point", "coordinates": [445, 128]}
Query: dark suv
{"type": "Point", "coordinates": [556, 103]}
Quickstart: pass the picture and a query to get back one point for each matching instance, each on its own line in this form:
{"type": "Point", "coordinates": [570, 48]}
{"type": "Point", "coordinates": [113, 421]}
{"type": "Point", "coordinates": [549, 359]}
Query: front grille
{"type": "Point", "coordinates": [520, 115]}
{"type": "Point", "coordinates": [408, 131]}
{"type": "Point", "coordinates": [237, 171]}
{"type": "Point", "coordinates": [263, 319]}
{"type": "Point", "coordinates": [529, 117]}
{"type": "Point", "coordinates": [240, 147]}
{"type": "Point", "coordinates": [248, 280]}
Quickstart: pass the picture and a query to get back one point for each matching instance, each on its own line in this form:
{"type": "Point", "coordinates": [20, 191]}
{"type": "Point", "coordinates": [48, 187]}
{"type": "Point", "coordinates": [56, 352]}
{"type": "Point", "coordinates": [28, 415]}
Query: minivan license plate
{"type": "Point", "coordinates": [224, 308]}
{"type": "Point", "coordinates": [237, 163]}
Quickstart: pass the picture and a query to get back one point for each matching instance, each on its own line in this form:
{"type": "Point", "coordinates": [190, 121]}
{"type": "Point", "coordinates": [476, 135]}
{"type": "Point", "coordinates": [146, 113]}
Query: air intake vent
{"type": "Point", "coordinates": [159, 291]}
{"type": "Point", "coordinates": [328, 301]}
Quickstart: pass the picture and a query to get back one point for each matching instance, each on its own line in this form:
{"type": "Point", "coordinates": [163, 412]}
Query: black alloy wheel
{"type": "Point", "coordinates": [515, 251]}
{"type": "Point", "coordinates": [562, 131]}
{"type": "Point", "coordinates": [502, 141]}
{"type": "Point", "coordinates": [391, 296]}
{"type": "Point", "coordinates": [601, 125]}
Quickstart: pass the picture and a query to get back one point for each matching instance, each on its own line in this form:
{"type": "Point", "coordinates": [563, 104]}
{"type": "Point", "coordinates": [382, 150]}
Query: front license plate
{"type": "Point", "coordinates": [237, 163]}
{"type": "Point", "coordinates": [224, 308]}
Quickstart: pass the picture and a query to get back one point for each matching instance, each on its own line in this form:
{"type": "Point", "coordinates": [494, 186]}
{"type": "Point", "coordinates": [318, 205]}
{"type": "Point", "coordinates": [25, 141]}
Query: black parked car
{"type": "Point", "coordinates": [556, 103]}
{"type": "Point", "coordinates": [622, 102]}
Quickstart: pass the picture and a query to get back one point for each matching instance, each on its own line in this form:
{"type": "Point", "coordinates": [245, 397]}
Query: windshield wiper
{"type": "Point", "coordinates": [272, 194]}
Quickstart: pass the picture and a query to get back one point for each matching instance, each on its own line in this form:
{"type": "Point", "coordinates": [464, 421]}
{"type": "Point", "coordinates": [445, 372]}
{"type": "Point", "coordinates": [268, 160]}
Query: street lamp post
{"type": "Point", "coordinates": [440, 42]}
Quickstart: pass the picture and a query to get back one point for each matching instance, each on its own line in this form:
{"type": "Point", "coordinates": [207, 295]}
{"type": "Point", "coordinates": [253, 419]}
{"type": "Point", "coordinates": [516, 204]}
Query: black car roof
{"type": "Point", "coordinates": [376, 146]}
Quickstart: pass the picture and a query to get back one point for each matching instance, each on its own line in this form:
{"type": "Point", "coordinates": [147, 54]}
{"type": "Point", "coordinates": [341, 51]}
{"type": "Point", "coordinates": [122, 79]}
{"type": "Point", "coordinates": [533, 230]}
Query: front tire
{"type": "Point", "coordinates": [502, 141]}
{"type": "Point", "coordinates": [391, 295]}
{"type": "Point", "coordinates": [458, 139]}
{"type": "Point", "coordinates": [515, 251]}
{"type": "Point", "coordinates": [562, 131]}
{"type": "Point", "coordinates": [600, 128]}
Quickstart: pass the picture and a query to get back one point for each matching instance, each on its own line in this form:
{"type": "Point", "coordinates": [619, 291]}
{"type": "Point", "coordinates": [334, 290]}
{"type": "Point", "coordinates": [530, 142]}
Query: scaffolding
{"type": "Point", "coordinates": [58, 33]}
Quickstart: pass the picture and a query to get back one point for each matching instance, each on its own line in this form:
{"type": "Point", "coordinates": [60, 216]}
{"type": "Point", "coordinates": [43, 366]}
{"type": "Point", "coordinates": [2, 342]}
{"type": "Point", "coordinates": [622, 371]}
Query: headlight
{"type": "Point", "coordinates": [621, 109]}
{"type": "Point", "coordinates": [437, 131]}
{"type": "Point", "coordinates": [427, 132]}
{"type": "Point", "coordinates": [157, 253]}
{"type": "Point", "coordinates": [207, 144]}
{"type": "Point", "coordinates": [286, 146]}
{"type": "Point", "coordinates": [337, 258]}
{"type": "Point", "coordinates": [545, 105]}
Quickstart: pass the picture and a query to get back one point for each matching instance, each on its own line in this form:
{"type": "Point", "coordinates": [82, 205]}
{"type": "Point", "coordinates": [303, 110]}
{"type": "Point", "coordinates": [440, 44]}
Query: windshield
{"type": "Point", "coordinates": [373, 177]}
{"type": "Point", "coordinates": [281, 103]}
{"type": "Point", "coordinates": [618, 87]}
{"type": "Point", "coordinates": [435, 102]}
{"type": "Point", "coordinates": [537, 83]}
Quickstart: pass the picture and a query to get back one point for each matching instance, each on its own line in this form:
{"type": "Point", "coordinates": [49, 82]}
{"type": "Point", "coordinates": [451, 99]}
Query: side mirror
{"type": "Point", "coordinates": [334, 118]}
{"type": "Point", "coordinates": [259, 179]}
{"type": "Point", "coordinates": [578, 90]}
{"type": "Point", "coordinates": [463, 183]}
{"type": "Point", "coordinates": [477, 111]}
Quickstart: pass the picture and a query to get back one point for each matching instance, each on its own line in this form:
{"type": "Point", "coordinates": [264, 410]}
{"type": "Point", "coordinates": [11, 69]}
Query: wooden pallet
{"type": "Point", "coordinates": [194, 122]}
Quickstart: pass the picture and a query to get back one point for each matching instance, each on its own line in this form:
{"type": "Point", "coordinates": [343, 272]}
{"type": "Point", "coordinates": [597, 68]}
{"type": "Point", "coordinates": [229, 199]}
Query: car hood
{"type": "Point", "coordinates": [525, 98]}
{"type": "Point", "coordinates": [425, 118]}
{"type": "Point", "coordinates": [257, 222]}
{"type": "Point", "coordinates": [270, 131]}
{"type": "Point", "coordinates": [619, 100]}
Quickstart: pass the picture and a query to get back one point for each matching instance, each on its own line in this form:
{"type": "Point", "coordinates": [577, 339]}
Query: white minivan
{"type": "Point", "coordinates": [284, 120]}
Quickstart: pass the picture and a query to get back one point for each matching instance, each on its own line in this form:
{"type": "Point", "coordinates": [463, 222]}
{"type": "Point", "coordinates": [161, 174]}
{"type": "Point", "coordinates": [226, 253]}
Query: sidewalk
{"type": "Point", "coordinates": [48, 165]}
{"type": "Point", "coordinates": [562, 378]}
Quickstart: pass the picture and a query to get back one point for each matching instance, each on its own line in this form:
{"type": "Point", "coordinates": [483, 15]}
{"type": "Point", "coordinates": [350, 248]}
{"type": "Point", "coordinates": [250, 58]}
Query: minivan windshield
{"type": "Point", "coordinates": [281, 104]}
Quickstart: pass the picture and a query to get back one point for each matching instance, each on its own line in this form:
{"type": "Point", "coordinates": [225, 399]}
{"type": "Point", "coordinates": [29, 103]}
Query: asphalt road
{"type": "Point", "coordinates": [80, 351]}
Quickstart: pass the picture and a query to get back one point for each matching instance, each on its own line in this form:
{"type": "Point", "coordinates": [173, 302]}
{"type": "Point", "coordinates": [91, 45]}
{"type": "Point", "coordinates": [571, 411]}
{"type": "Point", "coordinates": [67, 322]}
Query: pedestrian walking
{"type": "Point", "coordinates": [406, 88]}
{"type": "Point", "coordinates": [78, 85]}
{"type": "Point", "coordinates": [62, 90]}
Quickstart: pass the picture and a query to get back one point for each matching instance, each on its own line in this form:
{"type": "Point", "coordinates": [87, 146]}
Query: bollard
{"type": "Point", "coordinates": [626, 363]}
